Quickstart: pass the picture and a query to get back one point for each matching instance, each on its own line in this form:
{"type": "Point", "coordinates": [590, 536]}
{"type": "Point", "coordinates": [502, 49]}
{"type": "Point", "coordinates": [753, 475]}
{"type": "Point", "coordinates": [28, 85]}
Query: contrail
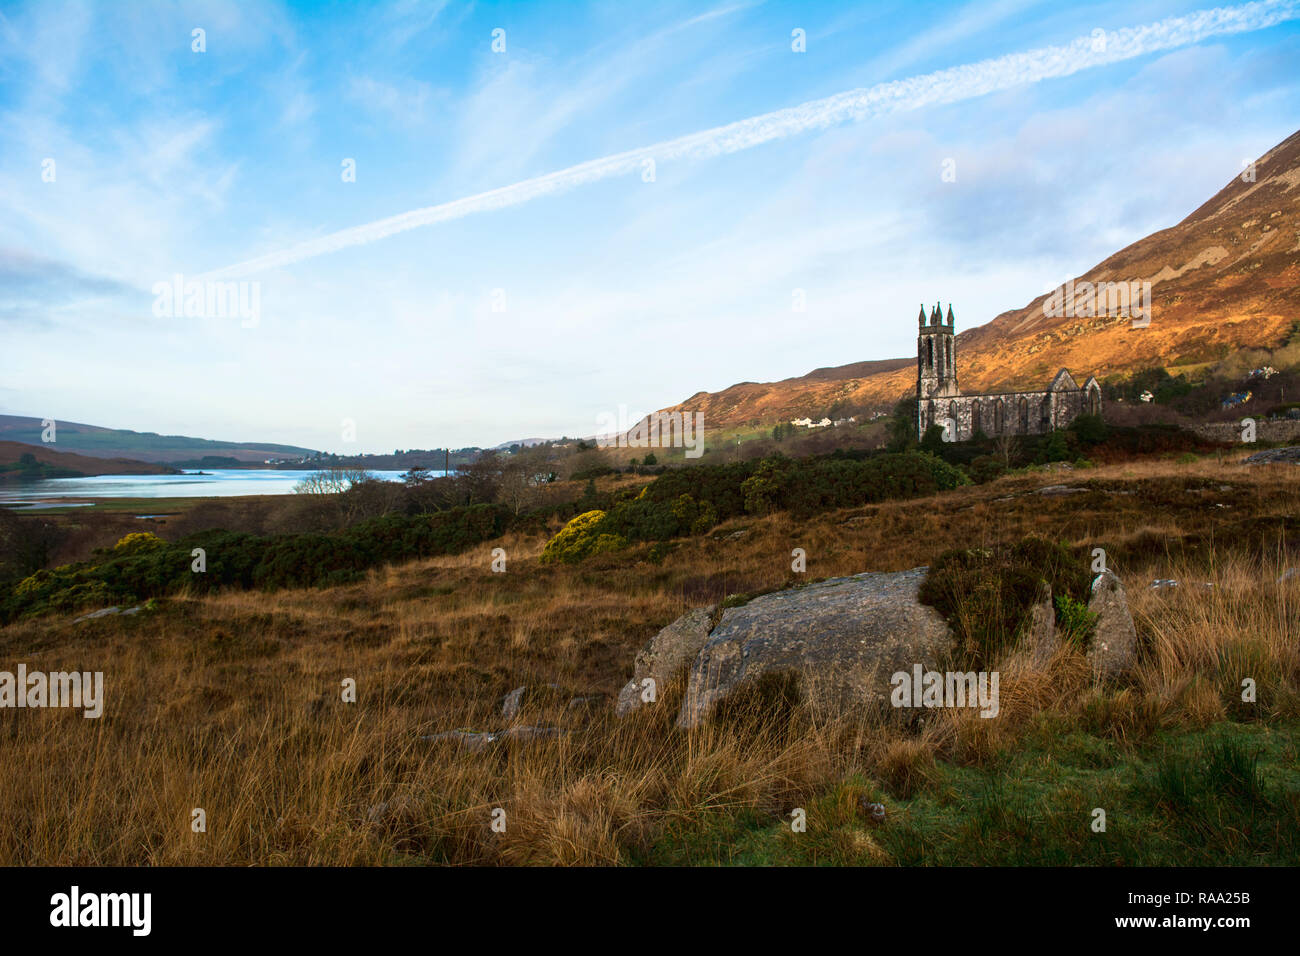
{"type": "Point", "coordinates": [945, 86]}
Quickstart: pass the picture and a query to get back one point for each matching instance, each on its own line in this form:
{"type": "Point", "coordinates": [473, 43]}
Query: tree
{"type": "Point", "coordinates": [27, 544]}
{"type": "Point", "coordinates": [332, 481]}
{"type": "Point", "coordinates": [521, 478]}
{"type": "Point", "coordinates": [1007, 447]}
{"type": "Point", "coordinates": [902, 426]}
{"type": "Point", "coordinates": [932, 441]}
{"type": "Point", "coordinates": [1057, 448]}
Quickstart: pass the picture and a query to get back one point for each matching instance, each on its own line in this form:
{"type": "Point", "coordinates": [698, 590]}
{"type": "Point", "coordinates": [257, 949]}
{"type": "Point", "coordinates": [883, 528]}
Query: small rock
{"type": "Point", "coordinates": [102, 612]}
{"type": "Point", "coordinates": [475, 741]}
{"type": "Point", "coordinates": [512, 702]}
{"type": "Point", "coordinates": [875, 812]}
{"type": "Point", "coordinates": [1052, 491]}
{"type": "Point", "coordinates": [1042, 637]}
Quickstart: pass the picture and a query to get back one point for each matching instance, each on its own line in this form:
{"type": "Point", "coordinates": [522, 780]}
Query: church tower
{"type": "Point", "coordinates": [936, 356]}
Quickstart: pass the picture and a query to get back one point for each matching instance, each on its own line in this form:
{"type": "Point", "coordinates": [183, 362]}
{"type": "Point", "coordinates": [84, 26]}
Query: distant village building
{"type": "Point", "coordinates": [939, 399]}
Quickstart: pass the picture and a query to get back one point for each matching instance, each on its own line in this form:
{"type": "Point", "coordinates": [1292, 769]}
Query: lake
{"type": "Point", "coordinates": [214, 483]}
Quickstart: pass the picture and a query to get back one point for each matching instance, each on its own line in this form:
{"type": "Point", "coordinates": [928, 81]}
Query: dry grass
{"type": "Point", "coordinates": [233, 703]}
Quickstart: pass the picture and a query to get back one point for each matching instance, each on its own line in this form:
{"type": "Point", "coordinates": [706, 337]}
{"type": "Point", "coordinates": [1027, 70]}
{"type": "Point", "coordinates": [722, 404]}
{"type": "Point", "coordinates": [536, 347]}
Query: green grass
{"type": "Point", "coordinates": [1228, 795]}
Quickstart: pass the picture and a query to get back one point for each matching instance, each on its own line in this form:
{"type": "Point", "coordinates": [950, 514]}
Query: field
{"type": "Point", "coordinates": [233, 703]}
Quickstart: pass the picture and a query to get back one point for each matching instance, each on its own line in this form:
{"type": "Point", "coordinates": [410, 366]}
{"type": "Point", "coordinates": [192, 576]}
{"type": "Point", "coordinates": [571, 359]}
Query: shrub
{"type": "Point", "coordinates": [144, 566]}
{"type": "Point", "coordinates": [138, 542]}
{"type": "Point", "coordinates": [581, 538]}
{"type": "Point", "coordinates": [1076, 622]}
{"type": "Point", "coordinates": [986, 594]}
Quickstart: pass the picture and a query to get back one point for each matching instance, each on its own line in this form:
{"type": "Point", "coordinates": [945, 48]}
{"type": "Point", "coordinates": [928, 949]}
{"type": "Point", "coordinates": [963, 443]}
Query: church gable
{"type": "Point", "coordinates": [1064, 381]}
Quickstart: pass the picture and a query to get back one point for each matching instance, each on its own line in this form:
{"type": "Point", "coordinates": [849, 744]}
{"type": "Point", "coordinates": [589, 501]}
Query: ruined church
{"type": "Point", "coordinates": [940, 402]}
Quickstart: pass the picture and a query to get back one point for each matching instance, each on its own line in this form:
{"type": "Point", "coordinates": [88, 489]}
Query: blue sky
{"type": "Point", "coordinates": [616, 290]}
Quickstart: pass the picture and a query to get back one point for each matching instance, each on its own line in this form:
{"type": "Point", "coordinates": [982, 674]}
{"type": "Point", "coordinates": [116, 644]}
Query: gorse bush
{"type": "Point", "coordinates": [139, 542]}
{"type": "Point", "coordinates": [581, 538]}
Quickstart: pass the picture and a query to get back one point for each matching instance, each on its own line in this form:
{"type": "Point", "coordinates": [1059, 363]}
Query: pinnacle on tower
{"type": "Point", "coordinates": [921, 318]}
{"type": "Point", "coordinates": [950, 318]}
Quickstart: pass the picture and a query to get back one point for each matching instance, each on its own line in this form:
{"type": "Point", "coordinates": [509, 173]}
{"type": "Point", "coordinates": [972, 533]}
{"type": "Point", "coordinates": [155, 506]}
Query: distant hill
{"type": "Point", "coordinates": [62, 464]}
{"type": "Point", "coordinates": [1224, 279]}
{"type": "Point", "coordinates": [97, 442]}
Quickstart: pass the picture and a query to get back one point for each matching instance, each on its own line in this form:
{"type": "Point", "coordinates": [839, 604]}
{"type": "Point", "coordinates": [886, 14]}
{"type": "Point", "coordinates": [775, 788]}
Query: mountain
{"type": "Point", "coordinates": [97, 442]}
{"type": "Point", "coordinates": [63, 464]}
{"type": "Point", "coordinates": [1226, 278]}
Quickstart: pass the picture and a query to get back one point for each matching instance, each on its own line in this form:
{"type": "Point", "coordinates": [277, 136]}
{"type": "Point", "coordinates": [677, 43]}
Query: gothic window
{"type": "Point", "coordinates": [1094, 401]}
{"type": "Point", "coordinates": [929, 353]}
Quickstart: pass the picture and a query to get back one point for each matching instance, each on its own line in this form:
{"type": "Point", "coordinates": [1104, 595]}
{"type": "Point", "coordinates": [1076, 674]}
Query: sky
{"type": "Point", "coordinates": [469, 223]}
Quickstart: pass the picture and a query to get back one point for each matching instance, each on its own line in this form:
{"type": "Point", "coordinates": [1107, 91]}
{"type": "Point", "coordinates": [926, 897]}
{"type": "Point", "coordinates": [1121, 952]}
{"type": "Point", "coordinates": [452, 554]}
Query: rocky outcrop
{"type": "Point", "coordinates": [1113, 648]}
{"type": "Point", "coordinates": [669, 651]}
{"type": "Point", "coordinates": [1277, 456]}
{"type": "Point", "coordinates": [844, 638]}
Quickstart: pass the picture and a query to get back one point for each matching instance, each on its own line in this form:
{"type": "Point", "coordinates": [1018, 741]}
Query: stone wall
{"type": "Point", "coordinates": [1285, 429]}
{"type": "Point", "coordinates": [1022, 413]}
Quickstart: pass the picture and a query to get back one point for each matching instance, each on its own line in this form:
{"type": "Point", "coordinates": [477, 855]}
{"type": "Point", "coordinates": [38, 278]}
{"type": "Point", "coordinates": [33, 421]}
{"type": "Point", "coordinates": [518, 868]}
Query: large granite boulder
{"type": "Point", "coordinates": [668, 652]}
{"type": "Point", "coordinates": [844, 638]}
{"type": "Point", "coordinates": [1113, 649]}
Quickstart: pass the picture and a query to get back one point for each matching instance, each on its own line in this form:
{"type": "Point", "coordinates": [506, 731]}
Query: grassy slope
{"type": "Point", "coordinates": [232, 703]}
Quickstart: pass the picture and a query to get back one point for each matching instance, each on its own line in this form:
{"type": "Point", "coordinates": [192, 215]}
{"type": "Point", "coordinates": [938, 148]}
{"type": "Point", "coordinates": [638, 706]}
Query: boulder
{"type": "Point", "coordinates": [667, 652]}
{"type": "Point", "coordinates": [1113, 649]}
{"type": "Point", "coordinates": [844, 638]}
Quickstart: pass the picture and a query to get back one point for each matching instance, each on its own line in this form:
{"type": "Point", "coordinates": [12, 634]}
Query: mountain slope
{"type": "Point", "coordinates": [1226, 278]}
{"type": "Point", "coordinates": [12, 452]}
{"type": "Point", "coordinates": [97, 442]}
